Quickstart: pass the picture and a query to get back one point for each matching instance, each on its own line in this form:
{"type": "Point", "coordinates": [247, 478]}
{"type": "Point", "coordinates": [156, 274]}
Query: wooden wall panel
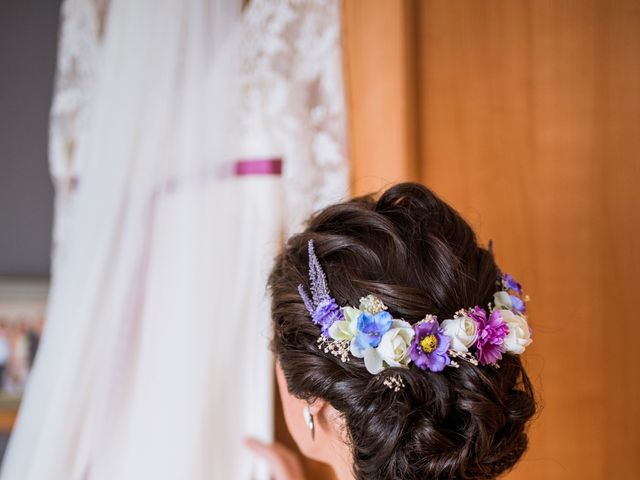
{"type": "Point", "coordinates": [529, 121]}
{"type": "Point", "coordinates": [380, 67]}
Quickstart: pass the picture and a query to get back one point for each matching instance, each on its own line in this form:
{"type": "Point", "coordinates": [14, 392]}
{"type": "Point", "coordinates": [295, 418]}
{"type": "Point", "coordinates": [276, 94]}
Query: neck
{"type": "Point", "coordinates": [344, 473]}
{"type": "Point", "coordinates": [336, 446]}
{"type": "Point", "coordinates": [342, 462]}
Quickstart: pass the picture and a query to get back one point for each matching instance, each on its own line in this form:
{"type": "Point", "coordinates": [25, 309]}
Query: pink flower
{"type": "Point", "coordinates": [491, 335]}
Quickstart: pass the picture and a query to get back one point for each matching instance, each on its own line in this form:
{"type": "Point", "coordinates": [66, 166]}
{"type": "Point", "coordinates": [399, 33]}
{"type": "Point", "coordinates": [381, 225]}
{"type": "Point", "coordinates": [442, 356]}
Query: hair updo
{"type": "Point", "coordinates": [418, 255]}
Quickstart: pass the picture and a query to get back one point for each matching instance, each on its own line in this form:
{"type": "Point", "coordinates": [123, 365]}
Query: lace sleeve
{"type": "Point", "coordinates": [294, 99]}
{"type": "Point", "coordinates": [319, 51]}
{"type": "Point", "coordinates": [319, 69]}
{"type": "Point", "coordinates": [81, 24]}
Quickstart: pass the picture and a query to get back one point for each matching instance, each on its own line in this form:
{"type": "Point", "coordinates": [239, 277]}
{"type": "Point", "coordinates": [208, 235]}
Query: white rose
{"type": "Point", "coordinates": [345, 329]}
{"type": "Point", "coordinates": [463, 332]}
{"type": "Point", "coordinates": [502, 300]}
{"type": "Point", "coordinates": [519, 336]}
{"type": "Point", "coordinates": [393, 348]}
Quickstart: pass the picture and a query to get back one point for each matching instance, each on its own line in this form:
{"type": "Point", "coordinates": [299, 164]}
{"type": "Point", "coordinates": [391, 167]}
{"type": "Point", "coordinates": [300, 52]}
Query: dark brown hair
{"type": "Point", "coordinates": [418, 255]}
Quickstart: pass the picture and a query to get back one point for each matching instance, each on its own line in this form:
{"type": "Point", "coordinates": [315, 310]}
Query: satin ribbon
{"type": "Point", "coordinates": [258, 166]}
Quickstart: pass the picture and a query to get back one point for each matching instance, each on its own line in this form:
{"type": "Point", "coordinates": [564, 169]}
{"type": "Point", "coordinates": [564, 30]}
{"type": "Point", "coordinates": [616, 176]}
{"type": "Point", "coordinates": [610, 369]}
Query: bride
{"type": "Point", "coordinates": [397, 340]}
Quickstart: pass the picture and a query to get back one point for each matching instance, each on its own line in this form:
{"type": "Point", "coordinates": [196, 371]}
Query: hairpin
{"type": "Point", "coordinates": [475, 335]}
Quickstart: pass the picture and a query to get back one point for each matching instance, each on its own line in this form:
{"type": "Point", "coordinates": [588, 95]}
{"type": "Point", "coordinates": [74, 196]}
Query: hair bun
{"type": "Point", "coordinates": [417, 254]}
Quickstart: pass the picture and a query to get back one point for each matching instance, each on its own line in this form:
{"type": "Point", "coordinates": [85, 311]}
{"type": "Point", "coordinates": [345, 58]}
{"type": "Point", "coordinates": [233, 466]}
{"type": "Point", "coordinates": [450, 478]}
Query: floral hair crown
{"type": "Point", "coordinates": [475, 335]}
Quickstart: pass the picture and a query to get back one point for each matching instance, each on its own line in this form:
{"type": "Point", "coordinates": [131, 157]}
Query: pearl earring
{"type": "Point", "coordinates": [308, 419]}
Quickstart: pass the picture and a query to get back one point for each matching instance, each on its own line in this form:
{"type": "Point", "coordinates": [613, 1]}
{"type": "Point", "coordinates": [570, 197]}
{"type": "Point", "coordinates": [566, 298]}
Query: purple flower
{"type": "Point", "coordinates": [517, 304]}
{"type": "Point", "coordinates": [326, 313]}
{"type": "Point", "coordinates": [430, 346]}
{"type": "Point", "coordinates": [491, 334]}
{"type": "Point", "coordinates": [509, 282]}
{"type": "Point", "coordinates": [371, 327]}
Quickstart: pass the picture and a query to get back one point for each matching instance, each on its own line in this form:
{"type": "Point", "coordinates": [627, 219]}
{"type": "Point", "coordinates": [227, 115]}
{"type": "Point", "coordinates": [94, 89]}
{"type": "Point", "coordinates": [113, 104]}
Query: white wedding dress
{"type": "Point", "coordinates": [154, 360]}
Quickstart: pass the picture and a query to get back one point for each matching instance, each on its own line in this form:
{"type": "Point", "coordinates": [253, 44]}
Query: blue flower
{"type": "Point", "coordinates": [517, 304]}
{"type": "Point", "coordinates": [509, 282]}
{"type": "Point", "coordinates": [371, 327]}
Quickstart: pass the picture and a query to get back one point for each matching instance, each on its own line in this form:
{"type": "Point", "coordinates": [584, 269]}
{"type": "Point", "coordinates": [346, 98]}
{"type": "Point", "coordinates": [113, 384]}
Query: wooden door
{"type": "Point", "coordinates": [525, 115]}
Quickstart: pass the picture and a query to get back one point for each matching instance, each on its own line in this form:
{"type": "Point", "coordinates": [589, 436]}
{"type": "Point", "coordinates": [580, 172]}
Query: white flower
{"type": "Point", "coordinates": [392, 350]}
{"type": "Point", "coordinates": [502, 300]}
{"type": "Point", "coordinates": [519, 336]}
{"type": "Point", "coordinates": [357, 351]}
{"type": "Point", "coordinates": [462, 330]}
{"type": "Point", "coordinates": [345, 329]}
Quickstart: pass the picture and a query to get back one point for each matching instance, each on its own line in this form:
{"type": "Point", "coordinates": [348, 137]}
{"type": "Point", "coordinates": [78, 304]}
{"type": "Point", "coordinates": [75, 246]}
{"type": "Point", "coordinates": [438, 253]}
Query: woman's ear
{"type": "Point", "coordinates": [318, 407]}
{"type": "Point", "coordinates": [327, 419]}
